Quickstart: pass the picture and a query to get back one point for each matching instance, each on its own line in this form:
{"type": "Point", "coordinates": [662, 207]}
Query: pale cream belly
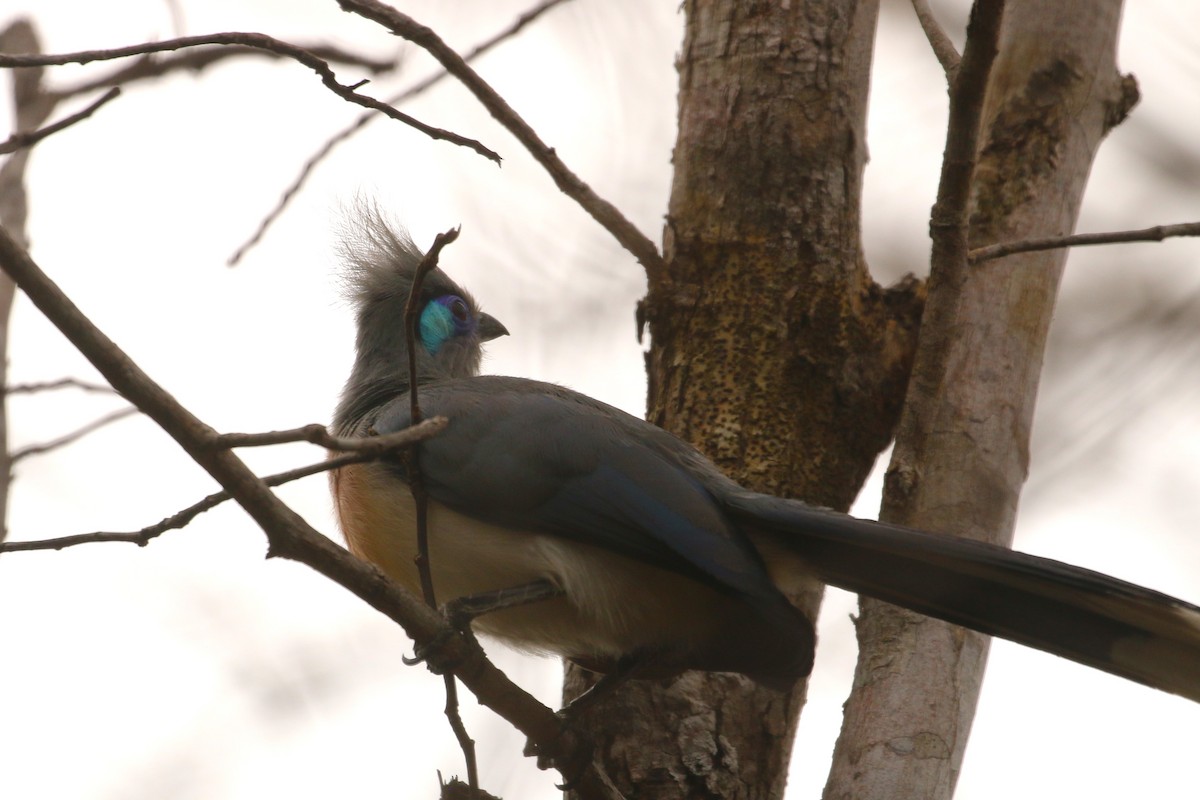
{"type": "Point", "coordinates": [614, 605]}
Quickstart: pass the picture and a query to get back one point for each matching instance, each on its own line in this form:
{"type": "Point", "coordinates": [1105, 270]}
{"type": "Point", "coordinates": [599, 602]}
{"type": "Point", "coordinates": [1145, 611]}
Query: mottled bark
{"type": "Point", "coordinates": [961, 454]}
{"type": "Point", "coordinates": [771, 348]}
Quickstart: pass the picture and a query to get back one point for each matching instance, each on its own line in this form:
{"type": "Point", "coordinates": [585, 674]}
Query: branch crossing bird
{"type": "Point", "coordinates": [611, 542]}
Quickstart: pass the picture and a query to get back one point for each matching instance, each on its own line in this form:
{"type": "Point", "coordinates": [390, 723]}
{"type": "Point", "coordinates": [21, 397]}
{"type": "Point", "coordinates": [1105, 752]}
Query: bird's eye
{"type": "Point", "coordinates": [458, 307]}
{"type": "Point", "coordinates": [444, 318]}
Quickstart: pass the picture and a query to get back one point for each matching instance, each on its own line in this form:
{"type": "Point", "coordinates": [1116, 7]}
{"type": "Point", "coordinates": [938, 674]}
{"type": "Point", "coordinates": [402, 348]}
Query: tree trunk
{"type": "Point", "coordinates": [961, 453]}
{"type": "Point", "coordinates": [771, 348]}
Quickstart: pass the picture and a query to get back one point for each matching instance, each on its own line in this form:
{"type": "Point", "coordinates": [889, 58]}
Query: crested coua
{"type": "Point", "coordinates": [648, 561]}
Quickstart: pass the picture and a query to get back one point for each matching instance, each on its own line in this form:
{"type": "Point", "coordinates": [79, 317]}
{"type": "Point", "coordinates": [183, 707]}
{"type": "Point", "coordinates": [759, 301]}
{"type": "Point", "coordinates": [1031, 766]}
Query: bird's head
{"type": "Point", "coordinates": [381, 264]}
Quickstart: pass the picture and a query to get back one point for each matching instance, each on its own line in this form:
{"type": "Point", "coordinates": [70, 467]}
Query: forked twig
{"type": "Point", "coordinates": [356, 451]}
{"type": "Point", "coordinates": [943, 48]}
{"type": "Point", "coordinates": [150, 67]}
{"type": "Point", "coordinates": [261, 42]}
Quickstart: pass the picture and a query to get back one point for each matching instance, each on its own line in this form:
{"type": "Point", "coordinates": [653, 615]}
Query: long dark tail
{"type": "Point", "coordinates": [1075, 613]}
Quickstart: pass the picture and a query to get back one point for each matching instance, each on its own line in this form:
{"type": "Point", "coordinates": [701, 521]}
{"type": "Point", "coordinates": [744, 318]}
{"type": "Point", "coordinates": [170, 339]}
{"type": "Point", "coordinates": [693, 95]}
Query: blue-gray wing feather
{"type": "Point", "coordinates": [533, 456]}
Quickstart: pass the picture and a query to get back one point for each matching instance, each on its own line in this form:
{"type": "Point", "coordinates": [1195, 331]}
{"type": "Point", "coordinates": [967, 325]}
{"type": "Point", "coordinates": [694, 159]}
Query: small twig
{"type": "Point", "coordinates": [465, 742]}
{"type": "Point", "coordinates": [150, 67]}
{"type": "Point", "coordinates": [358, 450]}
{"type": "Point", "coordinates": [948, 223]}
{"type": "Point", "coordinates": [28, 139]}
{"type": "Point", "coordinates": [1155, 234]}
{"type": "Point", "coordinates": [258, 41]}
{"type": "Point", "coordinates": [567, 181]}
{"type": "Point", "coordinates": [314, 434]}
{"type": "Point", "coordinates": [311, 164]}
{"type": "Point", "coordinates": [943, 48]}
{"type": "Point", "coordinates": [427, 265]}
{"type": "Point", "coordinates": [421, 498]}
{"type": "Point", "coordinates": [416, 485]}
{"type": "Point", "coordinates": [319, 435]}
{"type": "Point", "coordinates": [72, 437]}
{"type": "Point", "coordinates": [60, 383]}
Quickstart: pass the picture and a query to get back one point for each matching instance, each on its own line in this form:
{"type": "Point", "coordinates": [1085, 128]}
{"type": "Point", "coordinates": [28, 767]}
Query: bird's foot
{"type": "Point", "coordinates": [441, 655]}
{"type": "Point", "coordinates": [462, 610]}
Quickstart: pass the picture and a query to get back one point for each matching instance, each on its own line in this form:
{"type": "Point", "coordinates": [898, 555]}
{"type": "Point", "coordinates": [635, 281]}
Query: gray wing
{"type": "Point", "coordinates": [533, 456]}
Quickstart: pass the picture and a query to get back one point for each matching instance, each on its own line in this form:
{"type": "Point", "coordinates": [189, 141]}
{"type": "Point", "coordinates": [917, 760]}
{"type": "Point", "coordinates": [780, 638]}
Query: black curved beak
{"type": "Point", "coordinates": [490, 328]}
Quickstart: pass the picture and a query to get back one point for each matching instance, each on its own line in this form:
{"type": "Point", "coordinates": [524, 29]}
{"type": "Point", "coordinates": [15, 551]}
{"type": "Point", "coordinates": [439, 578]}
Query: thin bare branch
{"type": "Point", "coordinates": [427, 265]}
{"type": "Point", "coordinates": [416, 484]}
{"type": "Point", "coordinates": [150, 66]}
{"type": "Point", "coordinates": [371, 446]}
{"type": "Point", "coordinates": [567, 181]}
{"type": "Point", "coordinates": [950, 216]}
{"type": "Point", "coordinates": [367, 449]}
{"type": "Point", "coordinates": [943, 48]}
{"type": "Point", "coordinates": [1155, 234]}
{"type": "Point", "coordinates": [294, 188]}
{"type": "Point", "coordinates": [30, 138]}
{"type": "Point", "coordinates": [61, 383]}
{"type": "Point", "coordinates": [314, 433]}
{"type": "Point", "coordinates": [257, 41]}
{"type": "Point", "coordinates": [465, 742]}
{"type": "Point", "coordinates": [73, 436]}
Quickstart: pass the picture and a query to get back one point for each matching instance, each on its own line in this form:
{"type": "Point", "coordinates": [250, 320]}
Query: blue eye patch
{"type": "Point", "coordinates": [443, 318]}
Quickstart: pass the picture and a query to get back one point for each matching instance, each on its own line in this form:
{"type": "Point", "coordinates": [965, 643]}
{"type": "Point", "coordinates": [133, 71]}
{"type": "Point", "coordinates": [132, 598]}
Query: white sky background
{"type": "Point", "coordinates": [193, 668]}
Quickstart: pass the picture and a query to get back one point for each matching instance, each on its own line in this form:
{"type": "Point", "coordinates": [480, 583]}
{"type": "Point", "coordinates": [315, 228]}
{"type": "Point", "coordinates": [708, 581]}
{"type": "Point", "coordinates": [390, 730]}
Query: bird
{"type": "Point", "coordinates": [573, 528]}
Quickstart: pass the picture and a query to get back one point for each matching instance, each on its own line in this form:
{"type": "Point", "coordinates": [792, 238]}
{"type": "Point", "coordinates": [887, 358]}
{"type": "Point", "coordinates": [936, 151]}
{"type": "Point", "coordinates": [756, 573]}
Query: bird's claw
{"type": "Point", "coordinates": [433, 653]}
